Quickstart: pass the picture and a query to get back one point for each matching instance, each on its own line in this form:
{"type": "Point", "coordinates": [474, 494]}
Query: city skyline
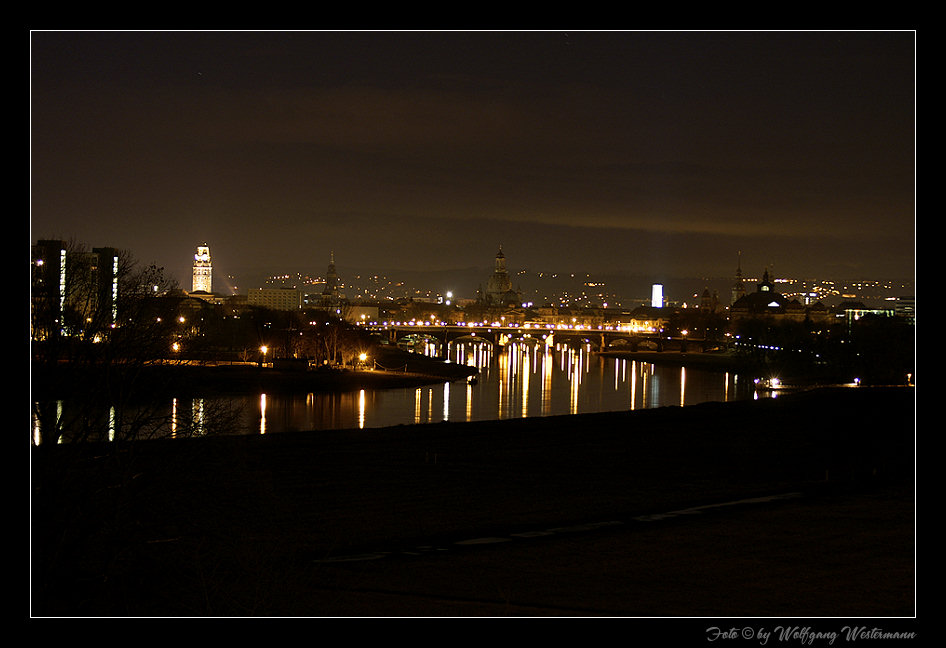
{"type": "Point", "coordinates": [662, 153]}
{"type": "Point", "coordinates": [568, 290]}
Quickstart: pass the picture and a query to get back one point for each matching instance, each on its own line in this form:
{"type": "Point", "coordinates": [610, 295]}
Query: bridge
{"type": "Point", "coordinates": [601, 338]}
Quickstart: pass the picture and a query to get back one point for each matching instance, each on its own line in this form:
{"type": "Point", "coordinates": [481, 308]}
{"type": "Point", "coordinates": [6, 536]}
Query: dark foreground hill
{"type": "Point", "coordinates": [798, 506]}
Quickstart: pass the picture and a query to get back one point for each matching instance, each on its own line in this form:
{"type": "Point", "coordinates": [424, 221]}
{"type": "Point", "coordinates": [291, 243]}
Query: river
{"type": "Point", "coordinates": [514, 381]}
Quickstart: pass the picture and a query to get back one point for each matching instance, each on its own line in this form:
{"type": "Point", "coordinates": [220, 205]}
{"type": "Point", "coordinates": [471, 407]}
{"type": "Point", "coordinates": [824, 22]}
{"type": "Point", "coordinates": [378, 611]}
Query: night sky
{"type": "Point", "coordinates": [656, 153]}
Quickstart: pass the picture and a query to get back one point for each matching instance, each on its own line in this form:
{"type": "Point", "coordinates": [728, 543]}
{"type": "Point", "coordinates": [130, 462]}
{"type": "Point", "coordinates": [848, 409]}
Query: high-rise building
{"type": "Point", "coordinates": [104, 276]}
{"type": "Point", "coordinates": [657, 296]}
{"type": "Point", "coordinates": [73, 292]}
{"type": "Point", "coordinates": [48, 288]}
{"type": "Point", "coordinates": [203, 270]}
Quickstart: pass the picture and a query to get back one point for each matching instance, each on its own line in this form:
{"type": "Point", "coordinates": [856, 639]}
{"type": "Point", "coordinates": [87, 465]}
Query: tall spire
{"type": "Point", "coordinates": [766, 285]}
{"type": "Point", "coordinates": [331, 278]}
{"type": "Point", "coordinates": [739, 288]}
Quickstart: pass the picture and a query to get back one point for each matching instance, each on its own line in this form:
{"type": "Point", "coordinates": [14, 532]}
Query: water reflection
{"type": "Point", "coordinates": [361, 409]}
{"type": "Point", "coordinates": [262, 414]}
{"type": "Point", "coordinates": [515, 380]}
{"type": "Point", "coordinates": [64, 421]}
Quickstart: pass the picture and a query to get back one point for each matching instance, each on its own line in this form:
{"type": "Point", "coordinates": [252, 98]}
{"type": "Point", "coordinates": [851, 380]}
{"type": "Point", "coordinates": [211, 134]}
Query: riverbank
{"type": "Point", "coordinates": [389, 367]}
{"type": "Point", "coordinates": [241, 379]}
{"type": "Point", "coordinates": [616, 514]}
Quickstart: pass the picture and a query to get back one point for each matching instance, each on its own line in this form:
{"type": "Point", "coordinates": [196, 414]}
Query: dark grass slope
{"type": "Point", "coordinates": [269, 525]}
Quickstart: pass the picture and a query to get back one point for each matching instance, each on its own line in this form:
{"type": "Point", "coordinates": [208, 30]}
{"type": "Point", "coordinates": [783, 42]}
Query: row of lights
{"type": "Point", "coordinates": [574, 326]}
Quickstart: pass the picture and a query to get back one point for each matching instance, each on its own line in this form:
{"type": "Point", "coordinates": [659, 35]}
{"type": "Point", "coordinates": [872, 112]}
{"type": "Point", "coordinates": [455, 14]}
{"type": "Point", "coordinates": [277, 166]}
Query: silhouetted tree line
{"type": "Point", "coordinates": [318, 335]}
{"type": "Point", "coordinates": [875, 349]}
{"type": "Point", "coordinates": [101, 364]}
{"type": "Point", "coordinates": [94, 361]}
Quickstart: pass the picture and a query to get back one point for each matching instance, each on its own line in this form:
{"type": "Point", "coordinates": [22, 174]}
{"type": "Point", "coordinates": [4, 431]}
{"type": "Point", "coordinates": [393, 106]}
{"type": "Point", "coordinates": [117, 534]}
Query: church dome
{"type": "Point", "coordinates": [499, 289]}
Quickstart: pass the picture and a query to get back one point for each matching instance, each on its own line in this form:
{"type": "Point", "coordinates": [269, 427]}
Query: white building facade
{"type": "Point", "coordinates": [203, 270]}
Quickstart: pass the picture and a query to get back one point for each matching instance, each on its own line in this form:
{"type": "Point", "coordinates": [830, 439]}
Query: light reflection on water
{"type": "Point", "coordinates": [517, 380]}
{"type": "Point", "coordinates": [514, 381]}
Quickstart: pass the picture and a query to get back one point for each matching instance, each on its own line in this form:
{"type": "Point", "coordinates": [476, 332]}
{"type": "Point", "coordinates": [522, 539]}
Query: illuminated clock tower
{"type": "Point", "coordinates": [202, 269]}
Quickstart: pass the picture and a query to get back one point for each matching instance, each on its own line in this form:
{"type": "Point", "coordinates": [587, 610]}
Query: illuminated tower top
{"type": "Point", "coordinates": [203, 270]}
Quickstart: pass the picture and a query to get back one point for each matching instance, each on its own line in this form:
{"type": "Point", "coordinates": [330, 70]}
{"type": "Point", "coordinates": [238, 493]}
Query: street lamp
{"type": "Point", "coordinates": [263, 349]}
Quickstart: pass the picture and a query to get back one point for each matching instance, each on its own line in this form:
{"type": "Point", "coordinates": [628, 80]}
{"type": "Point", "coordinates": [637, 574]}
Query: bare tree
{"type": "Point", "coordinates": [325, 338]}
{"type": "Point", "coordinates": [102, 363]}
{"type": "Point", "coordinates": [103, 375]}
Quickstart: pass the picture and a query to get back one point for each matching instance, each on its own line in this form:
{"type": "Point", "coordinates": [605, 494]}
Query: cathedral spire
{"type": "Point", "coordinates": [739, 288]}
{"type": "Point", "coordinates": [331, 279]}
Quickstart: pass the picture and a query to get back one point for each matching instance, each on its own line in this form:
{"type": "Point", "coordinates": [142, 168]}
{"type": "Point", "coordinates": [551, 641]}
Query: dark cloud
{"type": "Point", "coordinates": [591, 149]}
